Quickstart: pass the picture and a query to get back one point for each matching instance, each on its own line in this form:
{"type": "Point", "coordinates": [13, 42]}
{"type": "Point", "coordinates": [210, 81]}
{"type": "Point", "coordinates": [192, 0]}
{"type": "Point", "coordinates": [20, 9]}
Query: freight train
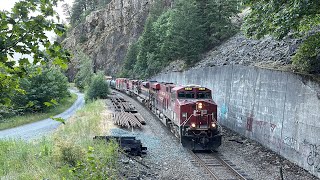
{"type": "Point", "coordinates": [188, 111]}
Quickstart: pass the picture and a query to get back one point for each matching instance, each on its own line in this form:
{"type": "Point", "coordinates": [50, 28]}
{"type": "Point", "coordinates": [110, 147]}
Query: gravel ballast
{"type": "Point", "coordinates": [167, 159]}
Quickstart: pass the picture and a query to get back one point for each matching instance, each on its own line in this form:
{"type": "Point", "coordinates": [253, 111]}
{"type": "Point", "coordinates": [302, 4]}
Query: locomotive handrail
{"type": "Point", "coordinates": [184, 122]}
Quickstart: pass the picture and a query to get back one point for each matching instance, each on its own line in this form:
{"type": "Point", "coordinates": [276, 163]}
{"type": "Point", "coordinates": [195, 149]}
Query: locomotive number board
{"type": "Point", "coordinates": [202, 89]}
{"type": "Point", "coordinates": [188, 89]}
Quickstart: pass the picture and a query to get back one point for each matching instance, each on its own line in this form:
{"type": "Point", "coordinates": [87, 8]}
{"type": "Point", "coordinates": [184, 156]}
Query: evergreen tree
{"type": "Point", "coordinates": [147, 44]}
{"type": "Point", "coordinates": [129, 61]}
{"type": "Point", "coordinates": [216, 16]}
{"type": "Point", "coordinates": [188, 30]}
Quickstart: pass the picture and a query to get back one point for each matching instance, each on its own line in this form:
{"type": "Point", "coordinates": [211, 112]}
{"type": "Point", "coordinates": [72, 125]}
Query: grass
{"type": "Point", "coordinates": [70, 153]}
{"type": "Point", "coordinates": [33, 117]}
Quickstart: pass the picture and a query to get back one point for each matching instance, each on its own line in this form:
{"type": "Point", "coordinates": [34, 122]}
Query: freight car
{"type": "Point", "coordinates": [188, 111]}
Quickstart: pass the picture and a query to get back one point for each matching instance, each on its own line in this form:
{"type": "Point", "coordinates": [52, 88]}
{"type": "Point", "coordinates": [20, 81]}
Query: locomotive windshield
{"type": "Point", "coordinates": [186, 95]}
{"type": "Point", "coordinates": [203, 95]}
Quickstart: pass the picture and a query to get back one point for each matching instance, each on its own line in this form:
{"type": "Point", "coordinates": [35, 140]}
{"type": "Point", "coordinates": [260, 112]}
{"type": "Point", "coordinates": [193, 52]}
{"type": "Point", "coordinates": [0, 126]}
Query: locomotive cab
{"type": "Point", "coordinates": [197, 118]}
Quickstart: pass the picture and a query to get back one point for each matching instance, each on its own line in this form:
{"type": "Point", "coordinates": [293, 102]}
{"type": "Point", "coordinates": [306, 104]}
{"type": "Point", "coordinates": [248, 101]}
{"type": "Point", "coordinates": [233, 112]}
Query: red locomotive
{"type": "Point", "coordinates": [188, 111]}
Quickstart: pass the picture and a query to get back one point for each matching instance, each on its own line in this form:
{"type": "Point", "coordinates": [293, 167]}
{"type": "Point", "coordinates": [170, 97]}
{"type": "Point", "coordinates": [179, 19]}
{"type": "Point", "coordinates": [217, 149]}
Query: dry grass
{"type": "Point", "coordinates": [107, 122]}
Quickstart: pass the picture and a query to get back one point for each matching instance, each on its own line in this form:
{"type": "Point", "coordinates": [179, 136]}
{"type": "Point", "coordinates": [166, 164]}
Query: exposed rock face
{"type": "Point", "coordinates": [240, 50]}
{"type": "Point", "coordinates": [266, 53]}
{"type": "Point", "coordinates": [106, 34]}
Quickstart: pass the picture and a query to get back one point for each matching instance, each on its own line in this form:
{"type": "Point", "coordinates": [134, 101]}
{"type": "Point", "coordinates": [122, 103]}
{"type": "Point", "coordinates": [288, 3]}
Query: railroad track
{"type": "Point", "coordinates": [217, 167]}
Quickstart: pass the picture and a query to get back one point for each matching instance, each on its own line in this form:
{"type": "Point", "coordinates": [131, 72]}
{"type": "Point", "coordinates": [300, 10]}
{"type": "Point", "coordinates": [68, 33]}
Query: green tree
{"type": "Point", "coordinates": [216, 16]}
{"type": "Point", "coordinates": [42, 90]}
{"type": "Point", "coordinates": [183, 32]}
{"type": "Point", "coordinates": [279, 18]}
{"type": "Point", "coordinates": [307, 57]}
{"type": "Point", "coordinates": [98, 88]}
{"type": "Point", "coordinates": [85, 73]}
{"type": "Point", "coordinates": [24, 32]}
{"type": "Point", "coordinates": [147, 44]}
{"type": "Point", "coordinates": [129, 61]}
{"type": "Point", "coordinates": [188, 30]}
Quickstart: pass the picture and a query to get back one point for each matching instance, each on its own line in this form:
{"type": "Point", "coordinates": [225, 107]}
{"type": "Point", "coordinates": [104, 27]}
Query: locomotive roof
{"type": "Point", "coordinates": [177, 88]}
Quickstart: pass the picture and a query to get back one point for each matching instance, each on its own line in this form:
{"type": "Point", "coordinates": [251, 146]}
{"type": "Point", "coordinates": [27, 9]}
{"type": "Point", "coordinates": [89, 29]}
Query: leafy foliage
{"type": "Point", "coordinates": [85, 73]}
{"type": "Point", "coordinates": [98, 88]}
{"type": "Point", "coordinates": [307, 58]}
{"type": "Point", "coordinates": [22, 31]}
{"type": "Point", "coordinates": [42, 90]}
{"type": "Point", "coordinates": [95, 164]}
{"type": "Point", "coordinates": [280, 18]}
{"type": "Point", "coordinates": [184, 32]}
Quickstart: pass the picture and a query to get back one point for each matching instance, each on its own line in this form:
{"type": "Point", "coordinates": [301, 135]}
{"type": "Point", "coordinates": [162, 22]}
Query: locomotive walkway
{"type": "Point", "coordinates": [44, 127]}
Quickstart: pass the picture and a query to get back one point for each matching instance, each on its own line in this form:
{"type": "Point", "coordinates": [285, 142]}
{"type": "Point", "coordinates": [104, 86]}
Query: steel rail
{"type": "Point", "coordinates": [230, 168]}
{"type": "Point", "coordinates": [223, 163]}
{"type": "Point", "coordinates": [203, 164]}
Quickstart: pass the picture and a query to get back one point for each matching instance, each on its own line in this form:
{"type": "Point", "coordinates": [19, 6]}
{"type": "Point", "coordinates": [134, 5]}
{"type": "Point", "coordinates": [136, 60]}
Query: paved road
{"type": "Point", "coordinates": [40, 128]}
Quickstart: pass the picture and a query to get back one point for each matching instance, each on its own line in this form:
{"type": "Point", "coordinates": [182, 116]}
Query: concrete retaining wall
{"type": "Point", "coordinates": [280, 110]}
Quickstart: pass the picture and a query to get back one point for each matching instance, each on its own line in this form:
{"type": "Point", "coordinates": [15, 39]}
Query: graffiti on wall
{"type": "Point", "coordinates": [313, 158]}
{"type": "Point", "coordinates": [291, 142]}
{"type": "Point", "coordinates": [259, 124]}
{"type": "Point", "coordinates": [223, 112]}
{"type": "Point", "coordinates": [249, 122]}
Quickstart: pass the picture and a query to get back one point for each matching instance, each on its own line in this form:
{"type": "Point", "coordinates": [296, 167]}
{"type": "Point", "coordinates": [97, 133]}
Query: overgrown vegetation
{"type": "Point", "coordinates": [42, 89]}
{"type": "Point", "coordinates": [69, 154]}
{"type": "Point", "coordinates": [98, 88]}
{"type": "Point", "coordinates": [184, 32]}
{"type": "Point", "coordinates": [280, 18]}
{"type": "Point", "coordinates": [85, 71]}
{"type": "Point", "coordinates": [93, 84]}
{"type": "Point", "coordinates": [23, 33]}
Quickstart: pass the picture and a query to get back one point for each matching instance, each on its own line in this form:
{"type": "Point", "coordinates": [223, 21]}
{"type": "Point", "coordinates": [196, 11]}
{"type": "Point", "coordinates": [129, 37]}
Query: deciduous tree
{"type": "Point", "coordinates": [23, 30]}
{"type": "Point", "coordinates": [279, 18]}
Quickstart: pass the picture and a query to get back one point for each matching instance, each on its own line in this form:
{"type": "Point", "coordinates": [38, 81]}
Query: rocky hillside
{"type": "Point", "coordinates": [267, 53]}
{"type": "Point", "coordinates": [264, 53]}
{"type": "Point", "coordinates": [105, 34]}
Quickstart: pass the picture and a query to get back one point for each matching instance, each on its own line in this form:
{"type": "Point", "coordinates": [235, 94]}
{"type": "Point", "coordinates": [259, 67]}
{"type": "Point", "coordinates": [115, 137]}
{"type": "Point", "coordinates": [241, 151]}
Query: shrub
{"type": "Point", "coordinates": [42, 90]}
{"type": "Point", "coordinates": [307, 58]}
{"type": "Point", "coordinates": [68, 153]}
{"type": "Point", "coordinates": [98, 88]}
{"type": "Point", "coordinates": [100, 163]}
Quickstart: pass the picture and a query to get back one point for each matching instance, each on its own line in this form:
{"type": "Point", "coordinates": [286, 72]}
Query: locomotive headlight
{"type": "Point", "coordinates": [200, 106]}
{"type": "Point", "coordinates": [213, 125]}
{"type": "Point", "coordinates": [193, 125]}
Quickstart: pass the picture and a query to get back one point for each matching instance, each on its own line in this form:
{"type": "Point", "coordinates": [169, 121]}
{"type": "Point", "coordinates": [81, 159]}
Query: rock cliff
{"type": "Point", "coordinates": [106, 33]}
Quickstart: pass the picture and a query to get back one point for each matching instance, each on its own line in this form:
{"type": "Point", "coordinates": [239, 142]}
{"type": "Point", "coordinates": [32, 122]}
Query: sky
{"type": "Point", "coordinates": [8, 4]}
